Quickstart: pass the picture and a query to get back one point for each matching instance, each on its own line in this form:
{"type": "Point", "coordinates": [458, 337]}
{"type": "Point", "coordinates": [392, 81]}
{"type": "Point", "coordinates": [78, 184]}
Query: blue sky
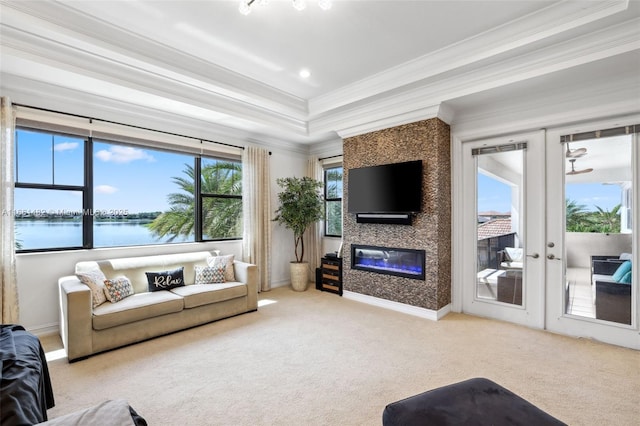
{"type": "Point", "coordinates": [594, 194]}
{"type": "Point", "coordinates": [125, 178]}
{"type": "Point", "coordinates": [496, 196]}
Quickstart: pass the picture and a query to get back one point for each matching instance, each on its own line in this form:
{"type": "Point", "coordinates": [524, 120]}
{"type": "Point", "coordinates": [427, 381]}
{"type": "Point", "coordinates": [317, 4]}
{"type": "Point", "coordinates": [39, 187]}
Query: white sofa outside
{"type": "Point", "coordinates": [86, 330]}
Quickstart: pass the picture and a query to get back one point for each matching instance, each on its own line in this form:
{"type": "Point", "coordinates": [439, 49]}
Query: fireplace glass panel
{"type": "Point", "coordinates": [408, 263]}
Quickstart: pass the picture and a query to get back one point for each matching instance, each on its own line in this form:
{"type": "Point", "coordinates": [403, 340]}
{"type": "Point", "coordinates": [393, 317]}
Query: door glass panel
{"type": "Point", "coordinates": [500, 226]}
{"type": "Point", "coordinates": [598, 228]}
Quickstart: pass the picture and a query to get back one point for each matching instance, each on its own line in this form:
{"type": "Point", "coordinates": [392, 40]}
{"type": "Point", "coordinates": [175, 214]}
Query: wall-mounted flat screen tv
{"type": "Point", "coordinates": [386, 189]}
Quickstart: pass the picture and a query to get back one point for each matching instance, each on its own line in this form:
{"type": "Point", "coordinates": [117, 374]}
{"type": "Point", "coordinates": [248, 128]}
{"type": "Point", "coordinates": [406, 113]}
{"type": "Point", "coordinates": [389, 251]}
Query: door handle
{"type": "Point", "coordinates": [534, 255]}
{"type": "Point", "coordinates": [552, 257]}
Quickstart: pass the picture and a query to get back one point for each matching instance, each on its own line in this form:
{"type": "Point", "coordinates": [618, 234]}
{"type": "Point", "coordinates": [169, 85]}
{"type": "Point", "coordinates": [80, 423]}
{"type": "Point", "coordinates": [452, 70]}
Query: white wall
{"type": "Point", "coordinates": [283, 164]}
{"type": "Point", "coordinates": [330, 244]}
{"type": "Point", "coordinates": [582, 245]}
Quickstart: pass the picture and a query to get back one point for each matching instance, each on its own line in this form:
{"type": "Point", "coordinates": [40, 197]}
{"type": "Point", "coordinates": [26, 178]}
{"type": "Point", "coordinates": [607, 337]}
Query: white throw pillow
{"type": "Point", "coordinates": [94, 279]}
{"type": "Point", "coordinates": [226, 262]}
{"type": "Point", "coordinates": [515, 254]}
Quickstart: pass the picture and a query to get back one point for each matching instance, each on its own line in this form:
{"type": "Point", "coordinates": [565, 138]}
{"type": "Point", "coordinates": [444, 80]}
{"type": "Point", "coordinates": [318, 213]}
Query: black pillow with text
{"type": "Point", "coordinates": [165, 280]}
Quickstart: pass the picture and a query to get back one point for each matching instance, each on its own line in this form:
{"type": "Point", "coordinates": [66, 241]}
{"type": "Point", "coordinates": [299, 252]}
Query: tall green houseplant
{"type": "Point", "coordinates": [301, 205]}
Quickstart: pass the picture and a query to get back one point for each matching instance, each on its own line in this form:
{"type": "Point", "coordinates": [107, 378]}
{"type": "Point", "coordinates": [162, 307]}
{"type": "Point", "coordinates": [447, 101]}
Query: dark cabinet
{"type": "Point", "coordinates": [330, 275]}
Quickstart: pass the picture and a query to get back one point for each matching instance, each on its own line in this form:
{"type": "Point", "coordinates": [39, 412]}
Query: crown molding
{"type": "Point", "coordinates": [30, 92]}
{"type": "Point", "coordinates": [582, 104]}
{"type": "Point", "coordinates": [529, 29]}
{"type": "Point", "coordinates": [109, 78]}
{"type": "Point", "coordinates": [387, 121]}
{"type": "Point", "coordinates": [416, 99]}
{"type": "Point", "coordinates": [327, 148]}
{"type": "Point", "coordinates": [95, 38]}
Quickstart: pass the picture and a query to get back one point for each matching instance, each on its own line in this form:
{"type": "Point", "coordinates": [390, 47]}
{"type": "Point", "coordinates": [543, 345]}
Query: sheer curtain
{"type": "Point", "coordinates": [313, 235]}
{"type": "Point", "coordinates": [256, 207]}
{"type": "Point", "coordinates": [8, 286]}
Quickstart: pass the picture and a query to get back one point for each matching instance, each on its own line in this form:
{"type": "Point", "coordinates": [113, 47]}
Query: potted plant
{"type": "Point", "coordinates": [301, 205]}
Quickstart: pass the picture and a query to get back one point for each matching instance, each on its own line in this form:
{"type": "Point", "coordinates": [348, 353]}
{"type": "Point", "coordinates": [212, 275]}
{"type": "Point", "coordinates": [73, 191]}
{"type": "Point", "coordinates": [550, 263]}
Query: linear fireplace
{"type": "Point", "coordinates": [400, 262]}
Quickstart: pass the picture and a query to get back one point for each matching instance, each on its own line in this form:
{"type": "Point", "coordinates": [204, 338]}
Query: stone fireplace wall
{"type": "Point", "coordinates": [428, 141]}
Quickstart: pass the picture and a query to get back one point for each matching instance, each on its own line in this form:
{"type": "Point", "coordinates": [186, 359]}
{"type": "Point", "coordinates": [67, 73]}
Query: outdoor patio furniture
{"type": "Point", "coordinates": [612, 297]}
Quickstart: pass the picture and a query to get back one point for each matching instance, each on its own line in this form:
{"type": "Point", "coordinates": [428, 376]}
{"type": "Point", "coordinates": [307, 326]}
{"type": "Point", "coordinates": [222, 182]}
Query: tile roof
{"type": "Point", "coordinates": [494, 227]}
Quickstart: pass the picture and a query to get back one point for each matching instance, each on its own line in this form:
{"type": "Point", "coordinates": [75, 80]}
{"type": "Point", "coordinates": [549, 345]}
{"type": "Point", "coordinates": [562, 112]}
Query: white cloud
{"type": "Point", "coordinates": [65, 146]}
{"type": "Point", "coordinates": [105, 189]}
{"type": "Point", "coordinates": [123, 154]}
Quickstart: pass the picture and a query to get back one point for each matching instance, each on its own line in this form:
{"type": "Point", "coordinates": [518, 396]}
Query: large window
{"type": "Point", "coordinates": [50, 191]}
{"type": "Point", "coordinates": [221, 195]}
{"type": "Point", "coordinates": [81, 193]}
{"type": "Point", "coordinates": [333, 201]}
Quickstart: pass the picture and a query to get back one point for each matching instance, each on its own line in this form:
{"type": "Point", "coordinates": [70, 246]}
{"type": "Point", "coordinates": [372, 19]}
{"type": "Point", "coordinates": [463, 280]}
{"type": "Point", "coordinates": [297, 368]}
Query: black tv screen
{"type": "Point", "coordinates": [389, 188]}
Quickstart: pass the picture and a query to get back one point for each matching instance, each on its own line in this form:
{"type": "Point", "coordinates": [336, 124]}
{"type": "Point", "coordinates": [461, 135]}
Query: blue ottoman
{"type": "Point", "coordinates": [475, 401]}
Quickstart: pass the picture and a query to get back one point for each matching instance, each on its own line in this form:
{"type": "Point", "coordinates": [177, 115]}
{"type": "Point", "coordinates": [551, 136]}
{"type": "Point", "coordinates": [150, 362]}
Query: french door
{"type": "Point", "coordinates": [503, 228]}
{"type": "Point", "coordinates": [548, 230]}
{"type": "Point", "coordinates": [593, 175]}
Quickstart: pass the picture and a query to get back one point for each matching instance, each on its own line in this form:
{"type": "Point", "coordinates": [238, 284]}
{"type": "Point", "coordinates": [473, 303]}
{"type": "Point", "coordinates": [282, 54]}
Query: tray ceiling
{"type": "Point", "coordinates": [372, 63]}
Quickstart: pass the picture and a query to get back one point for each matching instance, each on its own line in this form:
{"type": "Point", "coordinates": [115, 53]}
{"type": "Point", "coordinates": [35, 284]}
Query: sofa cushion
{"type": "Point", "coordinates": [603, 278]}
{"type": "Point", "coordinates": [209, 274]}
{"type": "Point", "coordinates": [94, 279]}
{"type": "Point", "coordinates": [117, 289]}
{"type": "Point", "coordinates": [622, 270]}
{"type": "Point", "coordinates": [626, 278]}
{"type": "Point", "coordinates": [203, 294]}
{"type": "Point", "coordinates": [226, 262]}
{"type": "Point", "coordinates": [134, 268]}
{"type": "Point", "coordinates": [512, 258]}
{"type": "Point", "coordinates": [165, 280]}
{"type": "Point", "coordinates": [135, 308]}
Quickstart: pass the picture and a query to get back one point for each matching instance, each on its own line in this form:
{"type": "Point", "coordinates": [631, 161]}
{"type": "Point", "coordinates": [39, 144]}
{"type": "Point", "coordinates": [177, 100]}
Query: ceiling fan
{"type": "Point", "coordinates": [575, 153]}
{"type": "Point", "coordinates": [577, 172]}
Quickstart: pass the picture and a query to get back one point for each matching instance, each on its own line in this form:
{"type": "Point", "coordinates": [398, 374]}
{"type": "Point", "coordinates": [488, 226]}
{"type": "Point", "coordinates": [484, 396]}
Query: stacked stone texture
{"type": "Point", "coordinates": [428, 141]}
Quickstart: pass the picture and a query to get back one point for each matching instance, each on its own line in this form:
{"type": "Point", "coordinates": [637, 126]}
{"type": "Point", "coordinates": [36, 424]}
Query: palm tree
{"type": "Point", "coordinates": [608, 221]}
{"type": "Point", "coordinates": [221, 216]}
{"type": "Point", "coordinates": [575, 214]}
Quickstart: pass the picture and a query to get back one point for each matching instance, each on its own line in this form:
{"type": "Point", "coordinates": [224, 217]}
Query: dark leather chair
{"type": "Point", "coordinates": [477, 401]}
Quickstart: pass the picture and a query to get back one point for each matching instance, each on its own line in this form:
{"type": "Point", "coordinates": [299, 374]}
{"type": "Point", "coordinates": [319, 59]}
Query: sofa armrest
{"type": "Point", "coordinates": [612, 288]}
{"type": "Point", "coordinates": [247, 273]}
{"type": "Point", "coordinates": [606, 267]}
{"type": "Point", "coordinates": [76, 315]}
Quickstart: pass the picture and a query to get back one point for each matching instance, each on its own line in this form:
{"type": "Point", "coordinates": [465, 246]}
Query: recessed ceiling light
{"type": "Point", "coordinates": [304, 73]}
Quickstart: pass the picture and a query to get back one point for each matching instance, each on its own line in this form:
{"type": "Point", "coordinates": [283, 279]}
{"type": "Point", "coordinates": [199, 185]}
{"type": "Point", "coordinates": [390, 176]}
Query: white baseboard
{"type": "Point", "coordinates": [45, 330]}
{"type": "Point", "coordinates": [283, 283]}
{"type": "Point", "coordinates": [397, 306]}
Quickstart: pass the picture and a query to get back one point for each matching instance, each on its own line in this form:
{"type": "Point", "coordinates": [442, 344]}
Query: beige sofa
{"type": "Point", "coordinates": [86, 330]}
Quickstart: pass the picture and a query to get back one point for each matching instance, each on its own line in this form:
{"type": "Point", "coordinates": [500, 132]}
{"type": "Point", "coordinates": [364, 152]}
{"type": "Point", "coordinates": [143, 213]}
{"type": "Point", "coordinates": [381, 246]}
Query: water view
{"type": "Point", "coordinates": [40, 234]}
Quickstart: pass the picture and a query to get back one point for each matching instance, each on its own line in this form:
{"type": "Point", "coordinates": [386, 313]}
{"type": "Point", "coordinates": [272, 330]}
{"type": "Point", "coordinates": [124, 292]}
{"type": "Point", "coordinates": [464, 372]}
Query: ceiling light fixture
{"type": "Point", "coordinates": [304, 73]}
{"type": "Point", "coordinates": [245, 5]}
{"type": "Point", "coordinates": [577, 172]}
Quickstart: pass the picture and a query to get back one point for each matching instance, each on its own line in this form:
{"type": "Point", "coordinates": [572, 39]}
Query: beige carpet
{"type": "Point", "coordinates": [314, 358]}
